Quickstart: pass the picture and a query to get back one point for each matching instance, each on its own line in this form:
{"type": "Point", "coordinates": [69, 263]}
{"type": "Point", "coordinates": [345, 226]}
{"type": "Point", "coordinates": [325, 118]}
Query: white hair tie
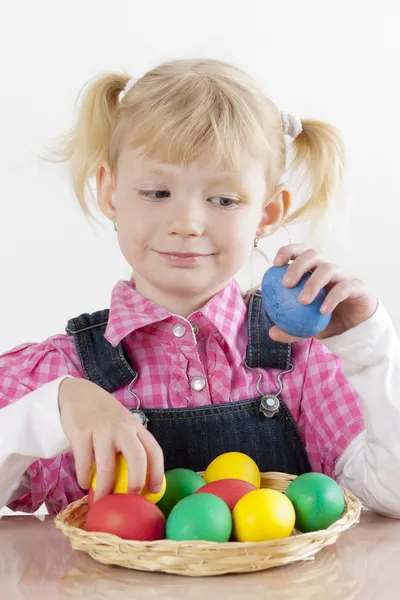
{"type": "Point", "coordinates": [291, 124]}
{"type": "Point", "coordinates": [127, 88]}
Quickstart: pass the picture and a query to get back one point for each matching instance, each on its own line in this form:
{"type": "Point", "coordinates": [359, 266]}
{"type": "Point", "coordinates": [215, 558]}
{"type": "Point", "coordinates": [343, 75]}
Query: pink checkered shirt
{"type": "Point", "coordinates": [325, 407]}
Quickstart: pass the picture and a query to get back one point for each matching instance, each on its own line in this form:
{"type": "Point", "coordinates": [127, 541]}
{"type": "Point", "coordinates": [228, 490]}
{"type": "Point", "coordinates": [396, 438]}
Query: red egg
{"type": "Point", "coordinates": [90, 497]}
{"type": "Point", "coordinates": [128, 516]}
{"type": "Point", "coordinates": [229, 490]}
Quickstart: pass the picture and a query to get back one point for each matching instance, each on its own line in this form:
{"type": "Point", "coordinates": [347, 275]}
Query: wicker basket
{"type": "Point", "coordinates": [200, 558]}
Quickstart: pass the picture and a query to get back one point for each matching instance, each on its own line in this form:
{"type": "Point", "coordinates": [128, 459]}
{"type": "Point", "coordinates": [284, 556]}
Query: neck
{"type": "Point", "coordinates": [178, 303]}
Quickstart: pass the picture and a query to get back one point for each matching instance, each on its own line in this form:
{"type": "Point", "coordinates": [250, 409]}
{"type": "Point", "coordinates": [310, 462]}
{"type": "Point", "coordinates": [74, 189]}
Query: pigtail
{"type": "Point", "coordinates": [318, 157]}
{"type": "Point", "coordinates": [87, 143]}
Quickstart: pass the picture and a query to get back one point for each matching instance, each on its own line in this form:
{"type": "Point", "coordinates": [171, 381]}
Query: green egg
{"type": "Point", "coordinates": [318, 501]}
{"type": "Point", "coordinates": [200, 517]}
{"type": "Point", "coordinates": [180, 483]}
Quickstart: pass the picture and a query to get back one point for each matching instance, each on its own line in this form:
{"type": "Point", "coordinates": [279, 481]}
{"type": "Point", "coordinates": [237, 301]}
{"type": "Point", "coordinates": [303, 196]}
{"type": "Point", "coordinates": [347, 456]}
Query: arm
{"type": "Point", "coordinates": [57, 416]}
{"type": "Point", "coordinates": [30, 425]}
{"type": "Point", "coordinates": [361, 334]}
{"type": "Point", "coordinates": [370, 466]}
{"type": "Point", "coordinates": [29, 429]}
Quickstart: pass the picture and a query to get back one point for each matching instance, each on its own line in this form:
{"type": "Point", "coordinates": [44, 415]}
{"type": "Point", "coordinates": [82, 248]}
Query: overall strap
{"type": "Point", "coordinates": [108, 367]}
{"type": "Point", "coordinates": [261, 350]}
{"type": "Point", "coordinates": [102, 363]}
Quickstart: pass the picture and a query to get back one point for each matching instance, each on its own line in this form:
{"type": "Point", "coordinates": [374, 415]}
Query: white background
{"type": "Point", "coordinates": [336, 60]}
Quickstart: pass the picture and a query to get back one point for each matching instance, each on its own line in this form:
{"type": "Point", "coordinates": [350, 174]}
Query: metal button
{"type": "Point", "coordinates": [195, 328]}
{"type": "Point", "coordinates": [178, 330]}
{"type": "Point", "coordinates": [269, 405]}
{"type": "Point", "coordinates": [198, 384]}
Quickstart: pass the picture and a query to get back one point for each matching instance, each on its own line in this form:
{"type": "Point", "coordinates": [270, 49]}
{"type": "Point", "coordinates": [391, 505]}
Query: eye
{"type": "Point", "coordinates": [155, 194]}
{"type": "Point", "coordinates": [224, 202]}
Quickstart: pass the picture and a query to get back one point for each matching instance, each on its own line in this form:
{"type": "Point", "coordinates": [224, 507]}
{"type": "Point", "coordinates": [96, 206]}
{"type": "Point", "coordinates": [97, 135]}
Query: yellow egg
{"type": "Point", "coordinates": [233, 465]}
{"type": "Point", "coordinates": [154, 497]}
{"type": "Point", "coordinates": [263, 515]}
{"type": "Point", "coordinates": [121, 481]}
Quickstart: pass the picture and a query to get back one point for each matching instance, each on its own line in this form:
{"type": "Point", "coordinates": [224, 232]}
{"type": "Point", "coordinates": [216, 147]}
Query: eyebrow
{"type": "Point", "coordinates": [155, 171]}
{"type": "Point", "coordinates": [229, 177]}
{"type": "Point", "coordinates": [165, 171]}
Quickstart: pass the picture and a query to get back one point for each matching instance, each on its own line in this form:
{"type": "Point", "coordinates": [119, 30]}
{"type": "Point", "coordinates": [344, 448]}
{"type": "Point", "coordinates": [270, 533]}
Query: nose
{"type": "Point", "coordinates": [187, 219]}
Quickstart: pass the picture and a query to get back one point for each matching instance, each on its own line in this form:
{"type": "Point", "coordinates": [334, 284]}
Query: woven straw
{"type": "Point", "coordinates": [199, 558]}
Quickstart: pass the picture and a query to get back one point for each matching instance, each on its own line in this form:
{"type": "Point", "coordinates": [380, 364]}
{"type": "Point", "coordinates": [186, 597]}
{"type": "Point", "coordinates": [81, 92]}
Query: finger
{"type": "Point", "coordinates": [324, 274]}
{"type": "Point", "coordinates": [105, 457]}
{"type": "Point", "coordinates": [155, 460]}
{"type": "Point", "coordinates": [287, 253]}
{"type": "Point", "coordinates": [276, 334]}
{"type": "Point", "coordinates": [351, 288]}
{"type": "Point", "coordinates": [306, 262]}
{"type": "Point", "coordinates": [83, 455]}
{"type": "Point", "coordinates": [136, 457]}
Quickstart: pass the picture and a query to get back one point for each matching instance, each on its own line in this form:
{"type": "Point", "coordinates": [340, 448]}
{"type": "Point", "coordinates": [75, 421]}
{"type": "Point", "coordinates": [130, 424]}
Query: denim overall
{"type": "Point", "coordinates": [261, 427]}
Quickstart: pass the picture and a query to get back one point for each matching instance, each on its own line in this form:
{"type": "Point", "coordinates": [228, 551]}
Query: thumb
{"type": "Point", "coordinates": [276, 334]}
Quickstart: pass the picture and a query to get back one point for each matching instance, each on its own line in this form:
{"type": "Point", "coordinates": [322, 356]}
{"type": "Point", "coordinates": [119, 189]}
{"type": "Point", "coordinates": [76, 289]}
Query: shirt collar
{"type": "Point", "coordinates": [227, 311]}
{"type": "Point", "coordinates": [130, 311]}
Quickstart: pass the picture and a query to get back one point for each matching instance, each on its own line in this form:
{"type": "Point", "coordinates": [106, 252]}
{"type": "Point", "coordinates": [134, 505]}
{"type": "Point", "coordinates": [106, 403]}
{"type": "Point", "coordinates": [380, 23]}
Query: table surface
{"type": "Point", "coordinates": [37, 562]}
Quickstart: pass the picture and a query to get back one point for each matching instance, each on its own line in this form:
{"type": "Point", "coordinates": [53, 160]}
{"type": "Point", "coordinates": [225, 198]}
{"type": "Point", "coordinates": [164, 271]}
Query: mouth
{"type": "Point", "coordinates": [184, 254]}
{"type": "Point", "coordinates": [184, 259]}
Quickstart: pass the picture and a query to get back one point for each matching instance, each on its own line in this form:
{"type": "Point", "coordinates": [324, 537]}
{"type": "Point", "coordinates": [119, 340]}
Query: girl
{"type": "Point", "coordinates": [188, 162]}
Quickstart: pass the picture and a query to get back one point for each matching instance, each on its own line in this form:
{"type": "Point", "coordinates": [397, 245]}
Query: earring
{"type": "Point", "coordinates": [256, 240]}
{"type": "Point", "coordinates": [115, 226]}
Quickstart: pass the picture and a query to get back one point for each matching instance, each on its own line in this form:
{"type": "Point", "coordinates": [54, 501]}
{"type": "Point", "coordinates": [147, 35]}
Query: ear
{"type": "Point", "coordinates": [275, 211]}
{"type": "Point", "coordinates": [105, 191]}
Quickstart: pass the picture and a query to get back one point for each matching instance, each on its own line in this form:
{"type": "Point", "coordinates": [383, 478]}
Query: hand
{"type": "Point", "coordinates": [99, 427]}
{"type": "Point", "coordinates": [347, 298]}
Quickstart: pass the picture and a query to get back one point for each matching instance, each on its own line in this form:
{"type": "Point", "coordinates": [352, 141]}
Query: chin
{"type": "Point", "coordinates": [186, 284]}
{"type": "Point", "coordinates": [186, 289]}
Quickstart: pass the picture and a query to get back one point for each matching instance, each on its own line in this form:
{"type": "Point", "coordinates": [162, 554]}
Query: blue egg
{"type": "Point", "coordinates": [284, 309]}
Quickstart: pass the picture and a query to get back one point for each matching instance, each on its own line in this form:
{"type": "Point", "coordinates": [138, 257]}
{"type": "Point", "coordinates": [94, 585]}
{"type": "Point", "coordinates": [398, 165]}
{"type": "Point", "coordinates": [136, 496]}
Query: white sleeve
{"type": "Point", "coordinates": [370, 466]}
{"type": "Point", "coordinates": [30, 428]}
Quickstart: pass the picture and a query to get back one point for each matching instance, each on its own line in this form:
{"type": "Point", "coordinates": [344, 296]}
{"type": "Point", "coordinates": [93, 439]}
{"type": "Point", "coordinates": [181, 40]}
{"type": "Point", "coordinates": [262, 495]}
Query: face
{"type": "Point", "coordinates": [185, 231]}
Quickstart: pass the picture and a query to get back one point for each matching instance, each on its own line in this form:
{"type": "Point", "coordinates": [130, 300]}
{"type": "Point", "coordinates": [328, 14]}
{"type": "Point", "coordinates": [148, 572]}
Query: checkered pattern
{"type": "Point", "coordinates": [327, 410]}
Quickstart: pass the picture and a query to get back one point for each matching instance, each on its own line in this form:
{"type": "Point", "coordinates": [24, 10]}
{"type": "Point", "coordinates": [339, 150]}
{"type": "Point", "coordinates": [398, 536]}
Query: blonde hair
{"type": "Point", "coordinates": [184, 109]}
